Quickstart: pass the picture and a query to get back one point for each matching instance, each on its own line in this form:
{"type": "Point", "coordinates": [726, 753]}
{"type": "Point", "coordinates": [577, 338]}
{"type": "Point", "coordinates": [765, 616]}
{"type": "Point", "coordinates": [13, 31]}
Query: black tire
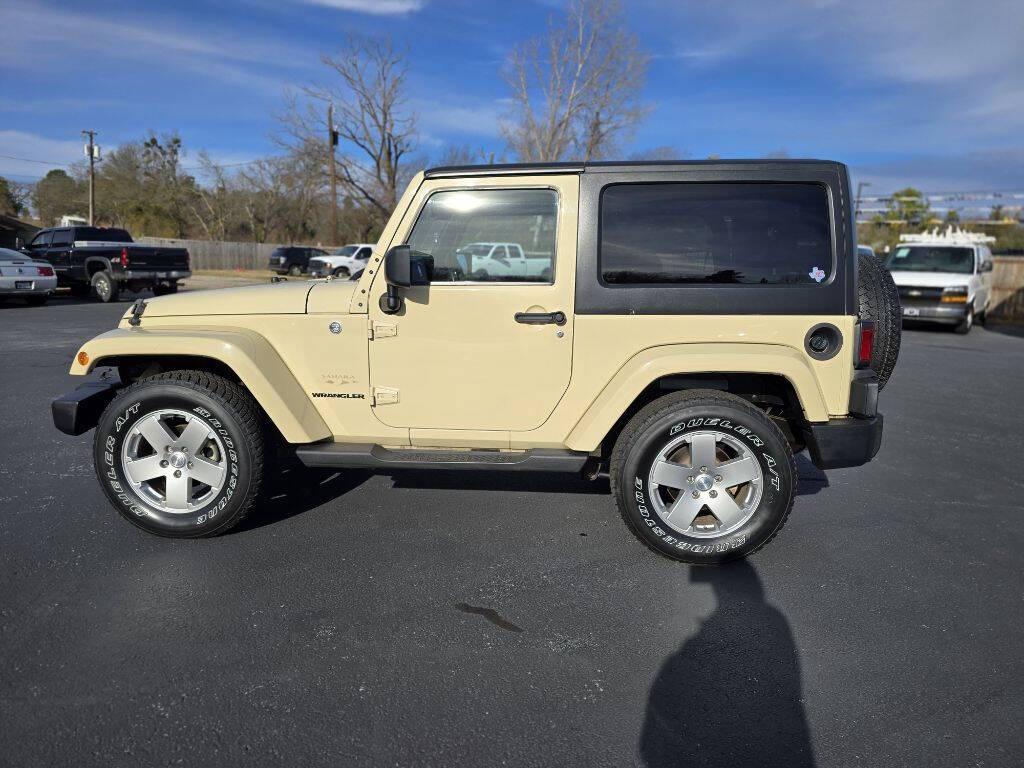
{"type": "Point", "coordinates": [226, 408]}
{"type": "Point", "coordinates": [295, 270]}
{"type": "Point", "coordinates": [165, 290]}
{"type": "Point", "coordinates": [880, 302]}
{"type": "Point", "coordinates": [966, 324]}
{"type": "Point", "coordinates": [105, 287]}
{"type": "Point", "coordinates": [342, 272]}
{"type": "Point", "coordinates": [672, 417]}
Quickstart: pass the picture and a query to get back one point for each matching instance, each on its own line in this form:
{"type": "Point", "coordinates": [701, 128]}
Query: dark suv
{"type": "Point", "coordinates": [293, 259]}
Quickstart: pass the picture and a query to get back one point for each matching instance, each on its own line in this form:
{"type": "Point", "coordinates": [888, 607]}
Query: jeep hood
{"type": "Point", "coordinates": [284, 298]}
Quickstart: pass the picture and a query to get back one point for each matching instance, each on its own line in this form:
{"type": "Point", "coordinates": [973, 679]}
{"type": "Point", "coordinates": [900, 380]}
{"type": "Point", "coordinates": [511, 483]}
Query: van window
{"type": "Point", "coordinates": [753, 233]}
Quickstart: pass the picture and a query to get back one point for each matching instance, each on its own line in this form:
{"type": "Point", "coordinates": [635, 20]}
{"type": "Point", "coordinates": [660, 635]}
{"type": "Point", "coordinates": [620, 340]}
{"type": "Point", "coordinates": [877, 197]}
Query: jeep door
{"type": "Point", "coordinates": [487, 353]}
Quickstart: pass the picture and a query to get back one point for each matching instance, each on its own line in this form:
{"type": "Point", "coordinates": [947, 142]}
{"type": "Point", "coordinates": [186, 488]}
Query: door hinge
{"type": "Point", "coordinates": [379, 330]}
{"type": "Point", "coordinates": [385, 396]}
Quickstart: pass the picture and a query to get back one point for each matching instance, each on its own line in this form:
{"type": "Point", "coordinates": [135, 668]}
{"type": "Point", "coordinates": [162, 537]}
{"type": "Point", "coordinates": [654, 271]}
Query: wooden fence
{"type": "Point", "coordinates": [1007, 289]}
{"type": "Point", "coordinates": [214, 254]}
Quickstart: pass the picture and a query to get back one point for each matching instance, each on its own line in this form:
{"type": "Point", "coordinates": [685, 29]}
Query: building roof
{"type": "Point", "coordinates": [11, 223]}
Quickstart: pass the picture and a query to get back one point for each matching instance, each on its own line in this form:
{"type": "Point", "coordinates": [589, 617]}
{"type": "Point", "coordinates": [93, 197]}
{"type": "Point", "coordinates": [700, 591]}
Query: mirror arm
{"type": "Point", "coordinates": [390, 302]}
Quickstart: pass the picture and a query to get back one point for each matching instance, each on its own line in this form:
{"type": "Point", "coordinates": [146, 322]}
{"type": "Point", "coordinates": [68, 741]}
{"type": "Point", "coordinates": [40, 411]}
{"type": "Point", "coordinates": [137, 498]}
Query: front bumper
{"type": "Point", "coordinates": [952, 314]}
{"type": "Point", "coordinates": [848, 442]}
{"type": "Point", "coordinates": [79, 411]}
{"type": "Point", "coordinates": [16, 285]}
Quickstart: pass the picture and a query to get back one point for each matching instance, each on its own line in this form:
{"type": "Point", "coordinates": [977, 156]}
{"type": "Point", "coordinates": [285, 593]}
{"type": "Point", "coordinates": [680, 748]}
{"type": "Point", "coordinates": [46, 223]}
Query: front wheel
{"type": "Point", "coordinates": [703, 477]}
{"type": "Point", "coordinates": [180, 454]}
{"type": "Point", "coordinates": [967, 323]}
{"type": "Point", "coordinates": [342, 272]}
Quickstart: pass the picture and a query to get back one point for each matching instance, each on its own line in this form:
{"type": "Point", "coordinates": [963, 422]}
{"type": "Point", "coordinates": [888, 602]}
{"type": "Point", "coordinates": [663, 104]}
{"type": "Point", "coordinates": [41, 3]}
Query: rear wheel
{"type": "Point", "coordinates": [164, 290]}
{"type": "Point", "coordinates": [294, 270]}
{"type": "Point", "coordinates": [180, 454]}
{"type": "Point", "coordinates": [105, 287]}
{"type": "Point", "coordinates": [703, 477]}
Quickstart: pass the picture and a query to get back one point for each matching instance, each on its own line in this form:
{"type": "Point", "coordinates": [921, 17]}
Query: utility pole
{"type": "Point", "coordinates": [332, 142]}
{"type": "Point", "coordinates": [856, 205]}
{"type": "Point", "coordinates": [90, 150]}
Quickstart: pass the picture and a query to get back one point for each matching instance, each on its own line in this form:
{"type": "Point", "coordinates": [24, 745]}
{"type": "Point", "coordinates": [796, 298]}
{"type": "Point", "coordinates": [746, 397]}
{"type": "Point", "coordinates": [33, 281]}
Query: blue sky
{"type": "Point", "coordinates": [929, 93]}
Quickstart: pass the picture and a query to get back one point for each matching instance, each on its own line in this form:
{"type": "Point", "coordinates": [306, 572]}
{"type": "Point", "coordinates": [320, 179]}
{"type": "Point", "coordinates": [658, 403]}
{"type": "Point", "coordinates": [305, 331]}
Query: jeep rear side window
{"type": "Point", "coordinates": [751, 233]}
{"type": "Point", "coordinates": [467, 232]}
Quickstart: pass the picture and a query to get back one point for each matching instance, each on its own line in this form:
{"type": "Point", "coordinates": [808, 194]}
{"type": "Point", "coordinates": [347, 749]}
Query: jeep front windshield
{"type": "Point", "coordinates": [929, 258]}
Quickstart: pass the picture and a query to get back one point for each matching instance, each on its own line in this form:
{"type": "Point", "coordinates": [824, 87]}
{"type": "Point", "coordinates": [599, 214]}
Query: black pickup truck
{"type": "Point", "coordinates": [104, 261]}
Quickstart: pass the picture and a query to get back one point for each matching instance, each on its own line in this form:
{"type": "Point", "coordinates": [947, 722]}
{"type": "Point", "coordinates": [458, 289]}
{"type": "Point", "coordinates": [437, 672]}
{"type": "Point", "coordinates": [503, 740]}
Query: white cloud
{"type": "Point", "coordinates": [374, 7]}
{"type": "Point", "coordinates": [33, 147]}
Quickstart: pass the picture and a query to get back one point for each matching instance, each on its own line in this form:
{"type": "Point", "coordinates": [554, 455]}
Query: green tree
{"type": "Point", "coordinates": [9, 202]}
{"type": "Point", "coordinates": [909, 205]}
{"type": "Point", "coordinates": [58, 194]}
{"type": "Point", "coordinates": [996, 214]}
{"type": "Point", "coordinates": [952, 216]}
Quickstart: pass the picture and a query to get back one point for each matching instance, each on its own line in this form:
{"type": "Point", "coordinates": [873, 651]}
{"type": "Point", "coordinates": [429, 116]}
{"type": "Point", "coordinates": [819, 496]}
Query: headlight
{"type": "Point", "coordinates": [954, 294]}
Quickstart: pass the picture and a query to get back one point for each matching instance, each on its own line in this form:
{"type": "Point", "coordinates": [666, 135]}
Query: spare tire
{"type": "Point", "coordinates": [880, 302]}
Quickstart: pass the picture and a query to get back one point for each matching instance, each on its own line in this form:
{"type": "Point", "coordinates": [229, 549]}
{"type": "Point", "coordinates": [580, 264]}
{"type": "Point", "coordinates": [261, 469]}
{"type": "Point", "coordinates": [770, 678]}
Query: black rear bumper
{"type": "Point", "coordinates": [847, 442]}
{"type": "Point", "coordinates": [79, 411]}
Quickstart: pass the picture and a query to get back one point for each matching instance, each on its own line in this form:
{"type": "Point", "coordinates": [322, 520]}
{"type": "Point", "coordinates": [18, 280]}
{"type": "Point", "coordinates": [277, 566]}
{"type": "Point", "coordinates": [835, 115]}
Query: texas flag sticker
{"type": "Point", "coordinates": [817, 274]}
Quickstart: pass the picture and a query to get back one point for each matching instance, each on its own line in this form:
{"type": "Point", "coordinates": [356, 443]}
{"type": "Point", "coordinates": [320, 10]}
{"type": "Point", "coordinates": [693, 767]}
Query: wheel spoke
{"type": "Point", "coordinates": [671, 475]}
{"type": "Point", "coordinates": [195, 435]}
{"type": "Point", "coordinates": [684, 510]}
{"type": "Point", "coordinates": [206, 472]}
{"type": "Point", "coordinates": [178, 489]}
{"type": "Point", "coordinates": [725, 509]}
{"type": "Point", "coordinates": [143, 469]}
{"type": "Point", "coordinates": [702, 451]}
{"type": "Point", "coordinates": [156, 433]}
{"type": "Point", "coordinates": [737, 471]}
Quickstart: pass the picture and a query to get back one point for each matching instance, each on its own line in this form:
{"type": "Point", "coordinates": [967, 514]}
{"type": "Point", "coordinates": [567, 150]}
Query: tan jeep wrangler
{"type": "Point", "coordinates": [686, 327]}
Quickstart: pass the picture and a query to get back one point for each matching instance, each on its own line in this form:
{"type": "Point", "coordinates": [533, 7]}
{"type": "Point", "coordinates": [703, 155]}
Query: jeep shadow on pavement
{"type": "Point", "coordinates": [683, 328]}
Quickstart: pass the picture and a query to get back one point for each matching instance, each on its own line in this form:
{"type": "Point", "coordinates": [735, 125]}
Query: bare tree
{"type": "Point", "coordinates": [576, 90]}
{"type": "Point", "coordinates": [376, 132]}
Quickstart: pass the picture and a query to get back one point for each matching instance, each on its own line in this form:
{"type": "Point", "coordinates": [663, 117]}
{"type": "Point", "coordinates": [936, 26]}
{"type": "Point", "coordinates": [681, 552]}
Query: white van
{"type": "Point", "coordinates": [944, 277]}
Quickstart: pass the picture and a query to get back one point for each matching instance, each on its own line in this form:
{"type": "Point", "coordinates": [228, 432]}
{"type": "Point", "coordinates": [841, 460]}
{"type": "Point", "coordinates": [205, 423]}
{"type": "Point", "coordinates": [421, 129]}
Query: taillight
{"type": "Point", "coordinates": [124, 257]}
{"type": "Point", "coordinates": [867, 343]}
{"type": "Point", "coordinates": [45, 271]}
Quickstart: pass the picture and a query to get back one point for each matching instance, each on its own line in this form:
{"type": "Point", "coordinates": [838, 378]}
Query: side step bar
{"type": "Point", "coordinates": [368, 456]}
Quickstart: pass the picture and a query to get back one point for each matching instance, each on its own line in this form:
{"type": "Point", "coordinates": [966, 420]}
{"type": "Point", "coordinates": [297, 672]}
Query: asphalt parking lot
{"type": "Point", "coordinates": [445, 619]}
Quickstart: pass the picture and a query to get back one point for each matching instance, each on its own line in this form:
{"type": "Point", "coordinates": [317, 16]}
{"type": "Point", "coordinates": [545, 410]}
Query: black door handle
{"type": "Point", "coordinates": [540, 318]}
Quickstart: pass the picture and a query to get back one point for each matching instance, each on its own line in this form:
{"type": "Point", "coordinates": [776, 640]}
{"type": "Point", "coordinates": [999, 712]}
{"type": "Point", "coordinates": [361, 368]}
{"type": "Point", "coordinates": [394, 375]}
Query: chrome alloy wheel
{"type": "Point", "coordinates": [174, 461]}
{"type": "Point", "coordinates": [705, 484]}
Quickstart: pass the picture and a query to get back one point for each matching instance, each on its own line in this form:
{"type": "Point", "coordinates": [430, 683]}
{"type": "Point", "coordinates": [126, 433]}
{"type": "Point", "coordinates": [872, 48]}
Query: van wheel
{"type": "Point", "coordinates": [180, 454]}
{"type": "Point", "coordinates": [879, 301]}
{"type": "Point", "coordinates": [703, 477]}
{"type": "Point", "coordinates": [967, 323]}
{"type": "Point", "coordinates": [105, 287]}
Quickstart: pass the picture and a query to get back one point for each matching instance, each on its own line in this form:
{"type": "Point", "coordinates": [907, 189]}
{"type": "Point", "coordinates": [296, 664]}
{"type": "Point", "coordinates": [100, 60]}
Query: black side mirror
{"type": "Point", "coordinates": [404, 268]}
{"type": "Point", "coordinates": [986, 266]}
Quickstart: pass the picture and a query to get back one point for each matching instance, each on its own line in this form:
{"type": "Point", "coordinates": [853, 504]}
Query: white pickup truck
{"type": "Point", "coordinates": [341, 262]}
{"type": "Point", "coordinates": [944, 277]}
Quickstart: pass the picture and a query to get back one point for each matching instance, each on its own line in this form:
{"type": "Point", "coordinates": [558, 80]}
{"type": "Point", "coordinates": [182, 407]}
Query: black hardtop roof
{"type": "Point", "coordinates": [621, 166]}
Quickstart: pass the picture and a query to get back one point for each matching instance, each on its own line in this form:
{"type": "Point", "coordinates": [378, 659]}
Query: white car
{"type": "Point", "coordinates": [943, 277]}
{"type": "Point", "coordinates": [501, 261]}
{"type": "Point", "coordinates": [341, 262]}
{"type": "Point", "coordinates": [21, 275]}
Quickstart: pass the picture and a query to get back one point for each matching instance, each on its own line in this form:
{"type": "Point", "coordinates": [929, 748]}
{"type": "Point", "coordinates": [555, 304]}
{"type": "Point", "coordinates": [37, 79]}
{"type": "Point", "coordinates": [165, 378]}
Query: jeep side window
{"type": "Point", "coordinates": [458, 229]}
{"type": "Point", "coordinates": [754, 233]}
